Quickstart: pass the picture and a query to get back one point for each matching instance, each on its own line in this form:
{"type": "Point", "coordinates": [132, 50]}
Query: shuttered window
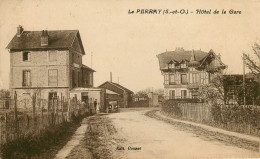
{"type": "Point", "coordinates": [26, 78]}
{"type": "Point", "coordinates": [52, 56]}
{"type": "Point", "coordinates": [172, 94]}
{"type": "Point", "coordinates": [183, 93]}
{"type": "Point", "coordinates": [53, 77]}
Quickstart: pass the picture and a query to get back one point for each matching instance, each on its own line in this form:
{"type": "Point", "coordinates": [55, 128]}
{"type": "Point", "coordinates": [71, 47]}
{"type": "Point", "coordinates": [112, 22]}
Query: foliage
{"type": "Point", "coordinates": [172, 108]}
{"type": "Point", "coordinates": [34, 145]}
{"type": "Point", "coordinates": [222, 86]}
{"type": "Point", "coordinates": [225, 114]}
{"type": "Point", "coordinates": [4, 93]}
{"type": "Point", "coordinates": [144, 93]}
{"type": "Point", "coordinates": [214, 90]}
{"type": "Point", "coordinates": [253, 62]}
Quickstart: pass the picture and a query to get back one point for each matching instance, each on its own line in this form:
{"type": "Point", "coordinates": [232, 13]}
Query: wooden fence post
{"type": "Point", "coordinates": [68, 111]}
{"type": "Point", "coordinates": [33, 104]}
{"type": "Point", "coordinates": [6, 128]}
{"type": "Point", "coordinates": [15, 115]}
{"type": "Point", "coordinates": [0, 131]}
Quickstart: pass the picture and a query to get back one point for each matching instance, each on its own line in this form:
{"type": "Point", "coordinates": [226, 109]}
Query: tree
{"type": "Point", "coordinates": [214, 90]}
{"type": "Point", "coordinates": [4, 93]}
{"type": "Point", "coordinates": [253, 62]}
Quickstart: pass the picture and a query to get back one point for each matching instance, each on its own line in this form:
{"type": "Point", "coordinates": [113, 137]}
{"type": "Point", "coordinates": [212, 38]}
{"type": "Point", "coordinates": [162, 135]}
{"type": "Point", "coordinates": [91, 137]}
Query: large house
{"type": "Point", "coordinates": [185, 70]}
{"type": "Point", "coordinates": [47, 62]}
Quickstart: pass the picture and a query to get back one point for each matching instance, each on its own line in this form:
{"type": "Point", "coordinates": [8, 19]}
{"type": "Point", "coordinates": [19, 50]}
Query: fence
{"type": "Point", "coordinates": [15, 124]}
{"type": "Point", "coordinates": [243, 119]}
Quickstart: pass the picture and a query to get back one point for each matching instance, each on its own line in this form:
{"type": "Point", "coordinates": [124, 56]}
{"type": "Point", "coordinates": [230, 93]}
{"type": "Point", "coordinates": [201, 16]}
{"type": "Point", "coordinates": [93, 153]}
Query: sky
{"type": "Point", "coordinates": [127, 44]}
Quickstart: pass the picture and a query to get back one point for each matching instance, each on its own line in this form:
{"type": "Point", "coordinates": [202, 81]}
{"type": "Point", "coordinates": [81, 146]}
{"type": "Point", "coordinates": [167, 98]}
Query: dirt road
{"type": "Point", "coordinates": [151, 138]}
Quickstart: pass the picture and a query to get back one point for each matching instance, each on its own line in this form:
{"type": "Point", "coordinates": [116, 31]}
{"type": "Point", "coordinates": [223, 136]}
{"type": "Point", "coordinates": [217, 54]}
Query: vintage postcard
{"type": "Point", "coordinates": [121, 79]}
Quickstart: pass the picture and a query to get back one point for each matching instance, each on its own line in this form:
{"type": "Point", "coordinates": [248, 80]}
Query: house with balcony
{"type": "Point", "coordinates": [48, 63]}
{"type": "Point", "coordinates": [185, 70]}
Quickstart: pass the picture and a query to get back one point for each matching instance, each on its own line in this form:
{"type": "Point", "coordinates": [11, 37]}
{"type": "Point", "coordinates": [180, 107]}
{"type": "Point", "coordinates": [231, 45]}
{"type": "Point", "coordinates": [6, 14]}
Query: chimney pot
{"type": "Point", "coordinates": [44, 38]}
{"type": "Point", "coordinates": [19, 31]}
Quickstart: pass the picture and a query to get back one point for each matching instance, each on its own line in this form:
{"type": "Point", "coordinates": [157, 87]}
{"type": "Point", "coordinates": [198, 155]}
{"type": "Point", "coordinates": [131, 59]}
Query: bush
{"type": "Point", "coordinates": [32, 146]}
{"type": "Point", "coordinates": [172, 108]}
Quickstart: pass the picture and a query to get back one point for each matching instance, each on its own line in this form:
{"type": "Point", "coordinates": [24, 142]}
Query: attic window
{"type": "Point", "coordinates": [171, 65]}
{"type": "Point", "coordinates": [26, 56]}
{"type": "Point", "coordinates": [183, 65]}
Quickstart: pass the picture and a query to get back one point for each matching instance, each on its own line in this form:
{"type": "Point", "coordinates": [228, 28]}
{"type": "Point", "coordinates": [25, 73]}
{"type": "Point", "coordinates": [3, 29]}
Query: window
{"type": "Point", "coordinates": [53, 77]}
{"type": "Point", "coordinates": [26, 78]}
{"type": "Point", "coordinates": [194, 77]}
{"type": "Point", "coordinates": [183, 65]}
{"type": "Point", "coordinates": [172, 94]}
{"type": "Point", "coordinates": [172, 79]}
{"type": "Point", "coordinates": [171, 65]}
{"type": "Point", "coordinates": [52, 56]}
{"type": "Point", "coordinates": [204, 78]}
{"type": "Point", "coordinates": [184, 79]}
{"type": "Point", "coordinates": [183, 93]}
{"type": "Point", "coordinates": [26, 56]}
{"type": "Point", "coordinates": [166, 79]}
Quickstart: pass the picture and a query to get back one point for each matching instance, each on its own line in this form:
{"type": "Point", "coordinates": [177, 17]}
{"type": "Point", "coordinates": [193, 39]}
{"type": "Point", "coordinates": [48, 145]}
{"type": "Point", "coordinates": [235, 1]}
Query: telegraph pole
{"type": "Point", "coordinates": [244, 89]}
{"type": "Point", "coordinates": [91, 59]}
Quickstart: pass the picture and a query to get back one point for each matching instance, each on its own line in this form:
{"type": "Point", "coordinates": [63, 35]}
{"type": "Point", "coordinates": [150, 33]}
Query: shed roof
{"type": "Point", "coordinates": [88, 68]}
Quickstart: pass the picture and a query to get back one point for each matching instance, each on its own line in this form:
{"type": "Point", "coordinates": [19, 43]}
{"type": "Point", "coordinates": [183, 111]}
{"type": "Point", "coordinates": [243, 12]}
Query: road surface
{"type": "Point", "coordinates": [151, 138]}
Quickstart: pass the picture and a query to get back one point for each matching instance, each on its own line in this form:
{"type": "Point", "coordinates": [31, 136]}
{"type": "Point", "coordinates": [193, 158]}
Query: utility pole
{"type": "Point", "coordinates": [244, 89]}
{"type": "Point", "coordinates": [91, 59]}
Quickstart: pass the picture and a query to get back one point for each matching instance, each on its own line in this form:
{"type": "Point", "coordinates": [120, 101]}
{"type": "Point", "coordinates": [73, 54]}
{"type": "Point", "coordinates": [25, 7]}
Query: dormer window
{"type": "Point", "coordinates": [183, 65]}
{"type": "Point", "coordinates": [171, 65]}
{"type": "Point", "coordinates": [26, 56]}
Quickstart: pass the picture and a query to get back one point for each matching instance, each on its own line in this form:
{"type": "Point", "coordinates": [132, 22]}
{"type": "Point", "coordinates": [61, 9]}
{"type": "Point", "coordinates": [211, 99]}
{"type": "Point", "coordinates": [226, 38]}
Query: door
{"type": "Point", "coordinates": [52, 97]}
{"type": "Point", "coordinates": [183, 93]}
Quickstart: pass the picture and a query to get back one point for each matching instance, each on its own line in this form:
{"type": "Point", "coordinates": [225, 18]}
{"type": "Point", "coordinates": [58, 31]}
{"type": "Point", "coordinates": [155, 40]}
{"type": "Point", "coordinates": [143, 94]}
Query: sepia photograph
{"type": "Point", "coordinates": [121, 79]}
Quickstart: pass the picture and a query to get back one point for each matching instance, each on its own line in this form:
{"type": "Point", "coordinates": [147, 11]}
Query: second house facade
{"type": "Point", "coordinates": [185, 70]}
{"type": "Point", "coordinates": [48, 63]}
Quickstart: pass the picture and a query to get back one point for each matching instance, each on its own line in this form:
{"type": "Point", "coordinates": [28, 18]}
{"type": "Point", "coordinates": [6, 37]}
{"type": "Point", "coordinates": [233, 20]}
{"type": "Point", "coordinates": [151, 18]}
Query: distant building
{"type": "Point", "coordinates": [117, 92]}
{"type": "Point", "coordinates": [234, 91]}
{"type": "Point", "coordinates": [184, 71]}
{"type": "Point", "coordinates": [47, 62]}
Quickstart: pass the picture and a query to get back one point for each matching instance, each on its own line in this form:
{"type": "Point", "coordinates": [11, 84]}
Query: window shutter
{"type": "Point", "coordinates": [53, 77]}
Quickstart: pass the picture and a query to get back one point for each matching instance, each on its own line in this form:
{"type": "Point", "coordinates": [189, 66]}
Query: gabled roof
{"type": "Point", "coordinates": [117, 85]}
{"type": "Point", "coordinates": [179, 56]}
{"type": "Point", "coordinates": [58, 39]}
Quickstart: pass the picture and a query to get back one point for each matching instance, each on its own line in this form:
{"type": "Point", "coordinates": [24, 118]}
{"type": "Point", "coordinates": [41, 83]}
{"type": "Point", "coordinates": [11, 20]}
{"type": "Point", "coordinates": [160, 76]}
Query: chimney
{"type": "Point", "coordinates": [44, 38]}
{"type": "Point", "coordinates": [110, 76]}
{"type": "Point", "coordinates": [192, 56]}
{"type": "Point", "coordinates": [19, 31]}
{"type": "Point", "coordinates": [219, 56]}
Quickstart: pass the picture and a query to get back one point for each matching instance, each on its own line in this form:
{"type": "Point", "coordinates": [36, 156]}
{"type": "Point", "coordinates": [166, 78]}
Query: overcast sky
{"type": "Point", "coordinates": [126, 44]}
